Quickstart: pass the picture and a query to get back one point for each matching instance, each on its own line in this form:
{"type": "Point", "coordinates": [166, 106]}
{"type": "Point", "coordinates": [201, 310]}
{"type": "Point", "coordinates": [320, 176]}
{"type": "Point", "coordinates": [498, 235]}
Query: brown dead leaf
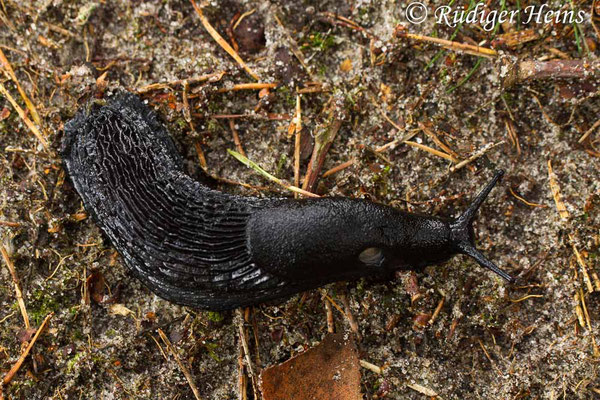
{"type": "Point", "coordinates": [96, 285]}
{"type": "Point", "coordinates": [346, 65]}
{"type": "Point", "coordinates": [5, 113]}
{"type": "Point", "coordinates": [330, 370]}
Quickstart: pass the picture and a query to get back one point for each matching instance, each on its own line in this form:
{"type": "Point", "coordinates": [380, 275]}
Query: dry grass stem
{"type": "Point", "coordinates": [214, 77]}
{"type": "Point", "coordinates": [222, 42]}
{"type": "Point", "coordinates": [34, 129]}
{"type": "Point", "coordinates": [11, 73]}
{"type": "Point", "coordinates": [15, 278]}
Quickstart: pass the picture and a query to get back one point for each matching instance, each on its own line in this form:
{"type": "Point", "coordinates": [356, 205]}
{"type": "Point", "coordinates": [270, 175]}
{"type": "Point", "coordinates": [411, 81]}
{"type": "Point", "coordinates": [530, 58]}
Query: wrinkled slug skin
{"type": "Point", "coordinates": [199, 247]}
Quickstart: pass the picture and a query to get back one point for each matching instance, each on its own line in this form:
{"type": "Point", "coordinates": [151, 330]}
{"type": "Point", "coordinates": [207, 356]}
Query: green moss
{"type": "Point", "coordinates": [287, 95]}
{"type": "Point", "coordinates": [214, 316]}
{"type": "Point", "coordinates": [317, 41]}
{"type": "Point", "coordinates": [73, 361]}
{"type": "Point", "coordinates": [381, 181]}
{"type": "Point", "coordinates": [211, 347]}
{"type": "Point", "coordinates": [42, 305]}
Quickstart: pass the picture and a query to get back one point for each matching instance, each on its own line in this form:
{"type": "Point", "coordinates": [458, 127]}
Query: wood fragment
{"type": "Point", "coordinates": [323, 140]}
{"type": "Point", "coordinates": [222, 42]}
{"type": "Point", "coordinates": [371, 367]}
{"type": "Point", "coordinates": [184, 369]}
{"type": "Point", "coordinates": [437, 311]}
{"type": "Point", "coordinates": [10, 224]}
{"type": "Point", "coordinates": [560, 206]}
{"type": "Point", "coordinates": [15, 279]}
{"type": "Point", "coordinates": [529, 70]}
{"type": "Point", "coordinates": [582, 264]}
{"type": "Point", "coordinates": [15, 368]}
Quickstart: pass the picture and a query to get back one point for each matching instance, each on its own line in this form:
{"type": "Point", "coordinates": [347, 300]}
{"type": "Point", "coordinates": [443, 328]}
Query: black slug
{"type": "Point", "coordinates": [203, 248]}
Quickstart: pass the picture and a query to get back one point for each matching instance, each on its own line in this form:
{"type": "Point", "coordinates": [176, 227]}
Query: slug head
{"type": "Point", "coordinates": [462, 237]}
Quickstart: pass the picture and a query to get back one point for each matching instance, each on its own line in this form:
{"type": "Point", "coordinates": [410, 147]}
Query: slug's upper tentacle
{"type": "Point", "coordinates": [204, 248]}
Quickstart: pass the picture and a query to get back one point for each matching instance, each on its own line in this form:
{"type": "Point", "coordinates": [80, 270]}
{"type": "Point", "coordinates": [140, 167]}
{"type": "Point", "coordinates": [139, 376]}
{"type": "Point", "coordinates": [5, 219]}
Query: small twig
{"type": "Point", "coordinates": [184, 369]}
{"type": "Point", "coordinates": [323, 140]}
{"type": "Point", "coordinates": [437, 311]}
{"type": "Point", "coordinates": [15, 368]}
{"type": "Point", "coordinates": [15, 279]}
{"type": "Point", "coordinates": [10, 224]}
{"type": "Point", "coordinates": [475, 156]}
{"type": "Point", "coordinates": [222, 42]}
{"type": "Point", "coordinates": [248, 86]}
{"type": "Point", "coordinates": [448, 44]}
{"type": "Point", "coordinates": [244, 340]}
{"type": "Point", "coordinates": [529, 70]}
{"type": "Point", "coordinates": [589, 131]}
{"type": "Point", "coordinates": [431, 150]}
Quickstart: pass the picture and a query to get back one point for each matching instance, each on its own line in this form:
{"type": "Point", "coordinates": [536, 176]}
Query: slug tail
{"type": "Point", "coordinates": [462, 230]}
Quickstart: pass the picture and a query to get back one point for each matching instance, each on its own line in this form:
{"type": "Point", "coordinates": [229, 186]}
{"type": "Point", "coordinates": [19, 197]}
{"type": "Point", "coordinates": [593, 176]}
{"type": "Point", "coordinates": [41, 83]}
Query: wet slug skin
{"type": "Point", "coordinates": [203, 248]}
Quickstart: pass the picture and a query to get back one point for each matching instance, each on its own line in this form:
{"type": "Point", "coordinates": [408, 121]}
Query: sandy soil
{"type": "Point", "coordinates": [536, 339]}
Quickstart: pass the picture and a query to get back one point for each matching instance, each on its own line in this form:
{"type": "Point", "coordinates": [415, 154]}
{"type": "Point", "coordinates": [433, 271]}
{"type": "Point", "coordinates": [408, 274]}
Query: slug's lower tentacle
{"type": "Point", "coordinates": [203, 248]}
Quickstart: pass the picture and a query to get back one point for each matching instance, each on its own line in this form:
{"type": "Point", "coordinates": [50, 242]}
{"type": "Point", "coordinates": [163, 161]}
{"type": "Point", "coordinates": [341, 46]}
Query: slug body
{"type": "Point", "coordinates": [203, 248]}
